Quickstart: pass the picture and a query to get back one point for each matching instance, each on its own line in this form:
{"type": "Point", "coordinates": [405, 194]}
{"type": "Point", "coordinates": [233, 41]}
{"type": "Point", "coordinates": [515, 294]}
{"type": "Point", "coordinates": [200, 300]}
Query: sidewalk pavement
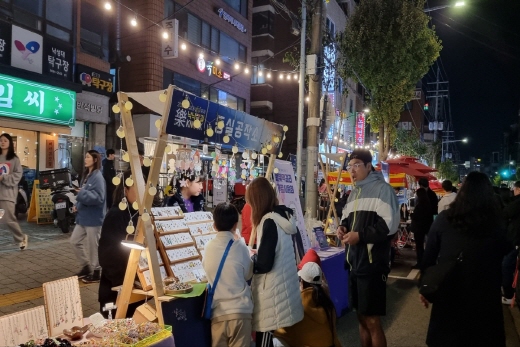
{"type": "Point", "coordinates": [49, 257]}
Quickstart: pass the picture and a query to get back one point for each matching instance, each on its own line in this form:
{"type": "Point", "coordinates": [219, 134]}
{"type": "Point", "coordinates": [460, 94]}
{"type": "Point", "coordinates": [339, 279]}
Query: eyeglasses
{"type": "Point", "coordinates": [354, 166]}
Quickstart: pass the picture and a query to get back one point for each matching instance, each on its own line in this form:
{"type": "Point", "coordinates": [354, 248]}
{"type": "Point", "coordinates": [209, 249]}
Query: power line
{"type": "Point", "coordinates": [496, 25]}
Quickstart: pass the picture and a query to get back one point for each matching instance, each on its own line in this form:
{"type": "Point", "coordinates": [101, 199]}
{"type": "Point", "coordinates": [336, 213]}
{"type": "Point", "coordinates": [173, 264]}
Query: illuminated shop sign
{"type": "Point", "coordinates": [229, 18]}
{"type": "Point", "coordinates": [212, 69]}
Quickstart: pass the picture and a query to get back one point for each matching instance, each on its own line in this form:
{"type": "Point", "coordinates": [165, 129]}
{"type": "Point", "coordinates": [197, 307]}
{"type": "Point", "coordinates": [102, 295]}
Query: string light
{"type": "Point", "coordinates": [133, 22]}
{"type": "Point", "coordinates": [237, 66]}
{"type": "Point", "coordinates": [281, 76]}
{"type": "Point", "coordinates": [268, 75]}
{"type": "Point", "coordinates": [246, 70]}
{"type": "Point", "coordinates": [108, 5]}
{"type": "Point", "coordinates": [260, 74]}
{"type": "Point", "coordinates": [183, 46]}
{"type": "Point", "coordinates": [165, 35]}
{"type": "Point", "coordinates": [217, 62]}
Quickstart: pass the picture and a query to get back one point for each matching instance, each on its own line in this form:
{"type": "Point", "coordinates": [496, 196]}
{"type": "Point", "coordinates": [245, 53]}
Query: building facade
{"type": "Point", "coordinates": [47, 52]}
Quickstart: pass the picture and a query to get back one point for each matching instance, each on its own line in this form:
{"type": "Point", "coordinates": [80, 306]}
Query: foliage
{"type": "Point", "coordinates": [448, 171]}
{"type": "Point", "coordinates": [433, 154]}
{"type": "Point", "coordinates": [388, 46]}
{"type": "Point", "coordinates": [497, 180]}
{"type": "Point", "coordinates": [408, 142]}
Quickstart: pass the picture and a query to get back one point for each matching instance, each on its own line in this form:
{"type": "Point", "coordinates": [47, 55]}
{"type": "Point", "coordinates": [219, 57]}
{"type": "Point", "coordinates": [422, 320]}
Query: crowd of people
{"type": "Point", "coordinates": [266, 289]}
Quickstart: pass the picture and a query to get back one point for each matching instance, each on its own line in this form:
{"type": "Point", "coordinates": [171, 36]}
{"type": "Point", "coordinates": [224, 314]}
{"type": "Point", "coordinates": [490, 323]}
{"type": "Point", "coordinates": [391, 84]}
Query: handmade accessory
{"type": "Point", "coordinates": [210, 290]}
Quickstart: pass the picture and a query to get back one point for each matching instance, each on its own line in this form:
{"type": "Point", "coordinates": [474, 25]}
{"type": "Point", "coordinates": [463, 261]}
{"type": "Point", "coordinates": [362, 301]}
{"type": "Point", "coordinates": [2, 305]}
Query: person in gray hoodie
{"type": "Point", "coordinates": [89, 218]}
{"type": "Point", "coordinates": [10, 175]}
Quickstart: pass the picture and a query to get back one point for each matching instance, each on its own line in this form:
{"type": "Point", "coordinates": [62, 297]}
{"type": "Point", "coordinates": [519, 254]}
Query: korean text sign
{"type": "Point", "coordinates": [360, 129]}
{"type": "Point", "coordinates": [38, 102]}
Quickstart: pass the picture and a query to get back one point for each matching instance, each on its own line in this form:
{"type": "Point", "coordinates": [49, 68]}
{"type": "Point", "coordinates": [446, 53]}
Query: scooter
{"type": "Point", "coordinates": [22, 203]}
{"type": "Point", "coordinates": [64, 200]}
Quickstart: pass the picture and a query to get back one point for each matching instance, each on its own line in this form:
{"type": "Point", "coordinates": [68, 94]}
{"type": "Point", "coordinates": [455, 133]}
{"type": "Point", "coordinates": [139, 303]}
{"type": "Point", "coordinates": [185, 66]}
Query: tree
{"type": "Point", "coordinates": [388, 46]}
{"type": "Point", "coordinates": [409, 143]}
{"type": "Point", "coordinates": [448, 171]}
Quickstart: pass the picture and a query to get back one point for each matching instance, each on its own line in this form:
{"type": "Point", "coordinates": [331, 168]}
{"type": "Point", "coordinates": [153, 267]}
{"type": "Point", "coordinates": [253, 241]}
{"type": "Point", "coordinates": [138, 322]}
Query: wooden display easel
{"type": "Point", "coordinates": [144, 231]}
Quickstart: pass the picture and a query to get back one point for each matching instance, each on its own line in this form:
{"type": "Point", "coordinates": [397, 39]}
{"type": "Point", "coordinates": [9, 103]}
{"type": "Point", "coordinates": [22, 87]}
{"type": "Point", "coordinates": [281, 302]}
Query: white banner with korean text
{"type": "Point", "coordinates": [288, 196]}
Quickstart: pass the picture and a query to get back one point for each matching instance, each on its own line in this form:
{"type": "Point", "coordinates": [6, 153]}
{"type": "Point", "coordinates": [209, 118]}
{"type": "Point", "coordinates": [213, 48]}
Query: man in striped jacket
{"type": "Point", "coordinates": [371, 220]}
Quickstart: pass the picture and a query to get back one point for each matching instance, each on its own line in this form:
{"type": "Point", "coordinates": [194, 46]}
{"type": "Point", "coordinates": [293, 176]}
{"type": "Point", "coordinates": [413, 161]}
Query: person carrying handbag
{"type": "Point", "coordinates": [228, 267]}
{"type": "Point", "coordinates": [467, 310]}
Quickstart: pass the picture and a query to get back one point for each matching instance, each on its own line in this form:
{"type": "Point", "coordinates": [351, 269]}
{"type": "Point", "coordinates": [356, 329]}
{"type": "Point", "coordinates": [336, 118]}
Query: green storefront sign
{"type": "Point", "coordinates": [23, 99]}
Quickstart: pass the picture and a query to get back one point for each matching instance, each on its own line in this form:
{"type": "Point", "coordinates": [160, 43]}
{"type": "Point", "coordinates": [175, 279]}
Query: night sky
{"type": "Point", "coordinates": [481, 58]}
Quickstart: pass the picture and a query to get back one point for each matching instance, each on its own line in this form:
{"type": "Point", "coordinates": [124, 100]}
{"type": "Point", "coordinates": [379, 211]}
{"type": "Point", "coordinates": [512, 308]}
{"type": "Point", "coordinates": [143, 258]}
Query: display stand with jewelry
{"type": "Point", "coordinates": [62, 305]}
{"type": "Point", "coordinates": [23, 326]}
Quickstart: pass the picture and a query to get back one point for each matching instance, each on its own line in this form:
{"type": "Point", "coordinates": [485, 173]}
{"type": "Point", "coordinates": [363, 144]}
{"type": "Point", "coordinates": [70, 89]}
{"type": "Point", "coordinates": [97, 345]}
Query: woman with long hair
{"type": "Point", "coordinates": [10, 175]}
{"type": "Point", "coordinates": [113, 256]}
{"type": "Point", "coordinates": [318, 327]}
{"type": "Point", "coordinates": [422, 220]}
{"type": "Point", "coordinates": [187, 193]}
{"type": "Point", "coordinates": [277, 303]}
{"type": "Point", "coordinates": [469, 311]}
{"type": "Point", "coordinates": [90, 208]}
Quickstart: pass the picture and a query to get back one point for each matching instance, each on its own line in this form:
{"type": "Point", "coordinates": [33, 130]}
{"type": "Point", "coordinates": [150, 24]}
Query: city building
{"type": "Point", "coordinates": [54, 80]}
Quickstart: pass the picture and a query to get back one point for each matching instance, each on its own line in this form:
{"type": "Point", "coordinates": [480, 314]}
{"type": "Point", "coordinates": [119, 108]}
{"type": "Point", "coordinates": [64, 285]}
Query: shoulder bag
{"type": "Point", "coordinates": [210, 290]}
{"type": "Point", "coordinates": [435, 280]}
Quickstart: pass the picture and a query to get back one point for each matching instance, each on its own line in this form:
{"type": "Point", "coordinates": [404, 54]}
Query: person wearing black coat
{"type": "Point", "coordinates": [422, 220]}
{"type": "Point", "coordinates": [468, 312]}
{"type": "Point", "coordinates": [434, 200]}
{"type": "Point", "coordinates": [113, 256]}
{"type": "Point", "coordinates": [511, 213]}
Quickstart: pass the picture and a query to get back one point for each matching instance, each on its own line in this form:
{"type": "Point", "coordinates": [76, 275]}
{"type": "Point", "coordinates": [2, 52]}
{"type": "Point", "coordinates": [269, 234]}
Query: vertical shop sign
{"type": "Point", "coordinates": [170, 46]}
{"type": "Point", "coordinates": [57, 59]}
{"type": "Point", "coordinates": [49, 154]}
{"type": "Point", "coordinates": [360, 129]}
{"type": "Point", "coordinates": [5, 43]}
{"type": "Point", "coordinates": [26, 52]}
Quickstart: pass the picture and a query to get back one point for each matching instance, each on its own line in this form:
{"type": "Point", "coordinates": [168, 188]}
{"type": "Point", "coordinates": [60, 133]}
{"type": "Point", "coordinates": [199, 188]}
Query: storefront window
{"type": "Point", "coordinates": [238, 5]}
{"type": "Point", "coordinates": [25, 146]}
{"type": "Point", "coordinates": [94, 30]}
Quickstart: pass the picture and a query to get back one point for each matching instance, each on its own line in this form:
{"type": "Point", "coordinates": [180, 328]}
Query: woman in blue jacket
{"type": "Point", "coordinates": [89, 218]}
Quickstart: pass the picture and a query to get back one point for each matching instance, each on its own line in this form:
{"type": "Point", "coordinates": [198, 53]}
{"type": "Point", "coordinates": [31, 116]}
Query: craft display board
{"type": "Point", "coordinates": [62, 305]}
{"type": "Point", "coordinates": [23, 326]}
{"type": "Point", "coordinates": [41, 206]}
{"type": "Point", "coordinates": [182, 241]}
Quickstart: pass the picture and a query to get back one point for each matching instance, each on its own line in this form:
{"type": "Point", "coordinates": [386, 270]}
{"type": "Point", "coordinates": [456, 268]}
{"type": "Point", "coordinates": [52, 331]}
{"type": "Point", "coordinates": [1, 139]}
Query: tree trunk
{"type": "Point", "coordinates": [382, 155]}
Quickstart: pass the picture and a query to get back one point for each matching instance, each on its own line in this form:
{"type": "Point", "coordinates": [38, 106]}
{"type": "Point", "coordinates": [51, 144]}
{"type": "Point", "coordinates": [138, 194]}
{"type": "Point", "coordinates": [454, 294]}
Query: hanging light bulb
{"type": "Point", "coordinates": [245, 155]}
{"type": "Point", "coordinates": [135, 205]}
{"type": "Point", "coordinates": [285, 128]}
{"type": "Point", "coordinates": [126, 157]}
{"type": "Point", "coordinates": [281, 76]}
{"type": "Point", "coordinates": [129, 105]}
{"type": "Point", "coordinates": [116, 180]}
{"type": "Point", "coordinates": [295, 76]}
{"type": "Point", "coordinates": [162, 97]}
{"type": "Point", "coordinates": [225, 139]}
{"type": "Point", "coordinates": [280, 155]}
{"type": "Point", "coordinates": [276, 170]}
{"type": "Point", "coordinates": [122, 205]}
{"type": "Point", "coordinates": [197, 124]}
{"type": "Point", "coordinates": [254, 155]}
{"type": "Point", "coordinates": [186, 102]}
{"type": "Point", "coordinates": [165, 35]}
{"type": "Point", "coordinates": [129, 182]}
{"type": "Point", "coordinates": [220, 124]}
{"type": "Point", "coordinates": [130, 228]}
{"type": "Point", "coordinates": [169, 149]}
{"type": "Point", "coordinates": [217, 62]}
{"type": "Point", "coordinates": [183, 46]}
{"type": "Point", "coordinates": [145, 217]}
{"type": "Point", "coordinates": [264, 150]}
{"type": "Point", "coordinates": [260, 73]}
{"type": "Point", "coordinates": [108, 5]}
{"type": "Point", "coordinates": [152, 190]}
{"type": "Point", "coordinates": [268, 75]}
{"type": "Point", "coordinates": [210, 132]}
{"type": "Point", "coordinates": [246, 70]}
{"type": "Point", "coordinates": [147, 162]}
{"type": "Point", "coordinates": [158, 123]}
{"type": "Point", "coordinates": [116, 108]}
{"type": "Point", "coordinates": [133, 22]}
{"type": "Point", "coordinates": [269, 147]}
{"type": "Point", "coordinates": [234, 149]}
{"type": "Point", "coordinates": [237, 66]}
{"type": "Point", "coordinates": [120, 132]}
{"type": "Point", "coordinates": [276, 139]}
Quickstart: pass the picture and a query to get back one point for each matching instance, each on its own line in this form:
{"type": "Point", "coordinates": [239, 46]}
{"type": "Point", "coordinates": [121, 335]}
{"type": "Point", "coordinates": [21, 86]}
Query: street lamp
{"type": "Point", "coordinates": [457, 4]}
{"type": "Point", "coordinates": [464, 140]}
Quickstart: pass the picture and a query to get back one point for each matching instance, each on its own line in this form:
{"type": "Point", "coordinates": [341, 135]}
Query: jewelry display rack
{"type": "Point", "coordinates": [62, 305]}
{"type": "Point", "coordinates": [23, 326]}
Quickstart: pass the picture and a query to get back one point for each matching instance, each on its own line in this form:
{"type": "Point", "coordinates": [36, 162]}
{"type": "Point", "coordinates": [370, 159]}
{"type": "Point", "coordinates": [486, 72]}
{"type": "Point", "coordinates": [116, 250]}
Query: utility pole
{"type": "Point", "coordinates": [437, 94]}
{"type": "Point", "coordinates": [313, 119]}
{"type": "Point", "coordinates": [436, 126]}
{"type": "Point", "coordinates": [301, 100]}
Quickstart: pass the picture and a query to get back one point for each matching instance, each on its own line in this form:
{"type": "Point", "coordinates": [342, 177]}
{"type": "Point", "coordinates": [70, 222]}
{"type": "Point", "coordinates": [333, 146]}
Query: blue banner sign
{"type": "Point", "coordinates": [243, 130]}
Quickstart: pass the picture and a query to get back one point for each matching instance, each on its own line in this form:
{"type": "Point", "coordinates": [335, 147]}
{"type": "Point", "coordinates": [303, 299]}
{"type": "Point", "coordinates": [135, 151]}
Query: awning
{"type": "Point", "coordinates": [34, 126]}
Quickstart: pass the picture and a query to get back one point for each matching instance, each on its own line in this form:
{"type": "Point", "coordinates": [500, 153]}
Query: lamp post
{"type": "Point", "coordinates": [431, 9]}
{"type": "Point", "coordinates": [465, 140]}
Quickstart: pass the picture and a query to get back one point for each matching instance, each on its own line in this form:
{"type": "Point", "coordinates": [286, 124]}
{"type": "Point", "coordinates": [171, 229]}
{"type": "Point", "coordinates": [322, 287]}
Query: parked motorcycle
{"type": "Point", "coordinates": [64, 200]}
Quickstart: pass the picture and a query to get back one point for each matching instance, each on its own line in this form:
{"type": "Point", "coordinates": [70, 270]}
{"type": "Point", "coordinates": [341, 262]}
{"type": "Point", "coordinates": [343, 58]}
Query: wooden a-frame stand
{"type": "Point", "coordinates": [144, 232]}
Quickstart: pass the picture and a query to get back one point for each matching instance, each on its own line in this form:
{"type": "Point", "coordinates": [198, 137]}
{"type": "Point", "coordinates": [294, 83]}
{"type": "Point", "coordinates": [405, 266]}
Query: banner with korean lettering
{"type": "Point", "coordinates": [288, 196]}
{"type": "Point", "coordinates": [95, 80]}
{"type": "Point", "coordinates": [360, 129]}
{"type": "Point", "coordinates": [57, 59]}
{"type": "Point", "coordinates": [243, 130]}
{"type": "Point", "coordinates": [23, 99]}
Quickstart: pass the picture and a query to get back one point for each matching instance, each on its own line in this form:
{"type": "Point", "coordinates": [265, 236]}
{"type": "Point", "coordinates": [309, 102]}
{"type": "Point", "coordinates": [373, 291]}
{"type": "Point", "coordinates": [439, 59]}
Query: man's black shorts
{"type": "Point", "coordinates": [368, 294]}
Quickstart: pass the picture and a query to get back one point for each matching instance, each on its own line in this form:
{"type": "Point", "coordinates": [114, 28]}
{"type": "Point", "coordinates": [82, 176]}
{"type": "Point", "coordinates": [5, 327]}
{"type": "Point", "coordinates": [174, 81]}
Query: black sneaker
{"type": "Point", "coordinates": [95, 277]}
{"type": "Point", "coordinates": [84, 272]}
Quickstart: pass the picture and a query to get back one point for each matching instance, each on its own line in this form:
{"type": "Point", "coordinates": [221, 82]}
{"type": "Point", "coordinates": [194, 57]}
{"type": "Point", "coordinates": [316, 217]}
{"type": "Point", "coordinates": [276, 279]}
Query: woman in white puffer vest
{"type": "Point", "coordinates": [275, 286]}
